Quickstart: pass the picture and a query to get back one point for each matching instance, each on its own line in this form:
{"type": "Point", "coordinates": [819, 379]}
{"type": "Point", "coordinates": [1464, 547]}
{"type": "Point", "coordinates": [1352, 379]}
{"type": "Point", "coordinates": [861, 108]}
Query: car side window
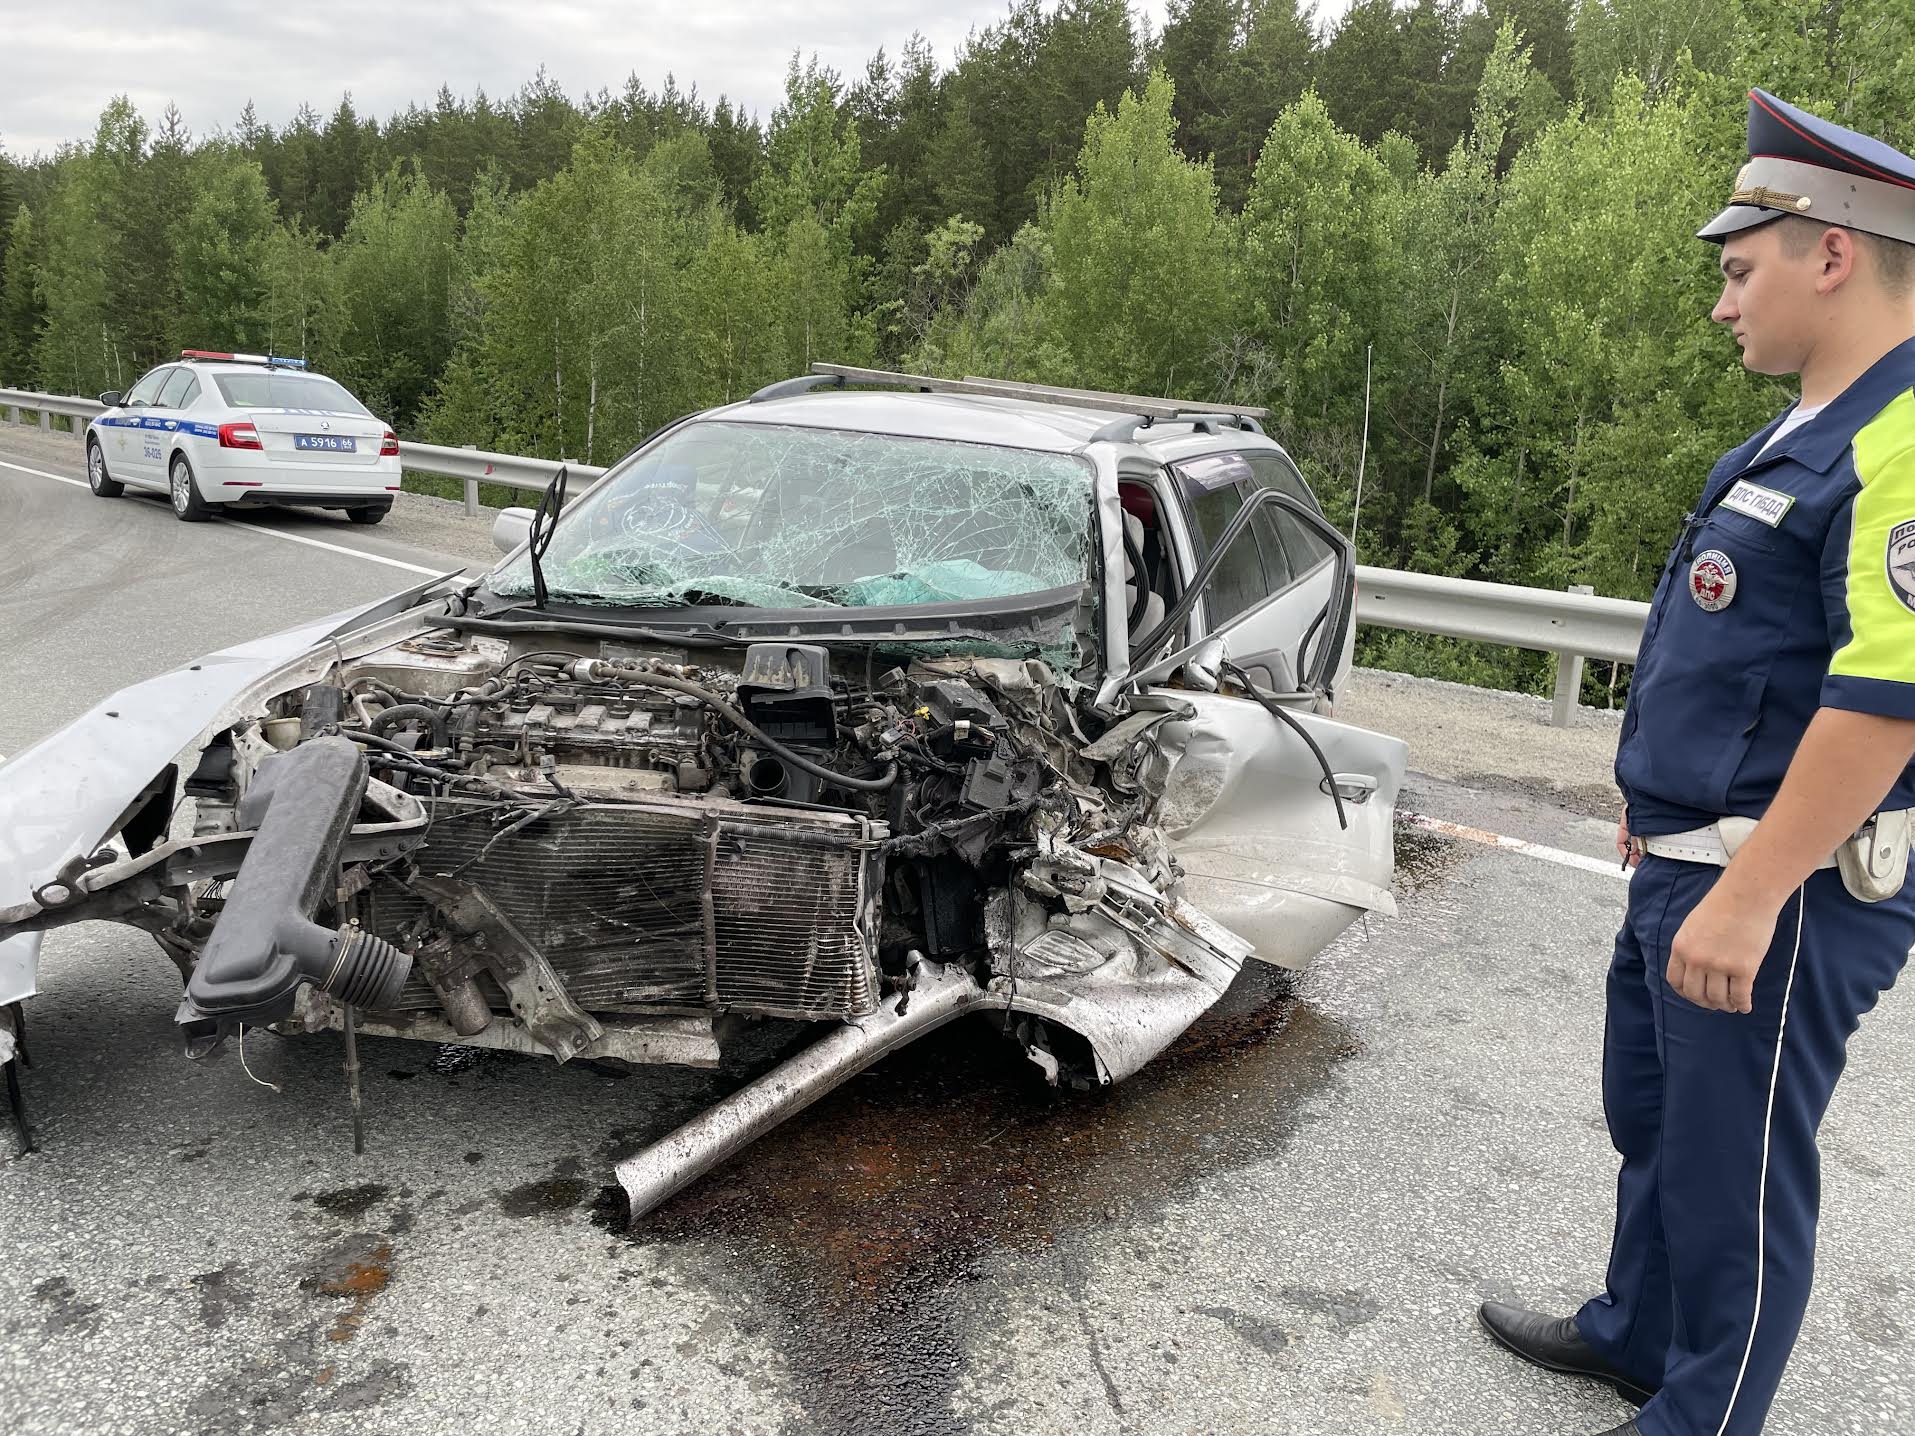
{"type": "Point", "coordinates": [1303, 548]}
{"type": "Point", "coordinates": [175, 391]}
{"type": "Point", "coordinates": [191, 395]}
{"type": "Point", "coordinates": [1240, 580]}
{"type": "Point", "coordinates": [144, 392]}
{"type": "Point", "coordinates": [1258, 565]}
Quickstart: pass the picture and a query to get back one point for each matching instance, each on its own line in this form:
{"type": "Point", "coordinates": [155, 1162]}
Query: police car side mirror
{"type": "Point", "coordinates": [511, 529]}
{"type": "Point", "coordinates": [111, 398]}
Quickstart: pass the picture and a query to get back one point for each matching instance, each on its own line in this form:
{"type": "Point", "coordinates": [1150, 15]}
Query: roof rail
{"type": "Point", "coordinates": [1140, 404]}
{"type": "Point", "coordinates": [1138, 407]}
{"type": "Point", "coordinates": [1124, 431]}
{"type": "Point", "coordinates": [803, 384]}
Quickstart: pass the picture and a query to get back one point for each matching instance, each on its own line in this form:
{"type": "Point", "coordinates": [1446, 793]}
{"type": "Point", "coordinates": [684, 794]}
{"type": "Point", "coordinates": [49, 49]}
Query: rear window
{"type": "Point", "coordinates": [287, 391]}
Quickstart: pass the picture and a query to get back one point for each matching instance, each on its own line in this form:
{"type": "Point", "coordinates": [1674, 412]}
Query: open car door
{"type": "Point", "coordinates": [1281, 817]}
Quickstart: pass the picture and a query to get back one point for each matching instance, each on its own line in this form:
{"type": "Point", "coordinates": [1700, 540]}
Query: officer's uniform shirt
{"type": "Point", "coordinates": [1791, 587]}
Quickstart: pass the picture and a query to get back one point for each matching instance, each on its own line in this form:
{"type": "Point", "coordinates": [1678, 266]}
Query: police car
{"type": "Point", "coordinates": [217, 429]}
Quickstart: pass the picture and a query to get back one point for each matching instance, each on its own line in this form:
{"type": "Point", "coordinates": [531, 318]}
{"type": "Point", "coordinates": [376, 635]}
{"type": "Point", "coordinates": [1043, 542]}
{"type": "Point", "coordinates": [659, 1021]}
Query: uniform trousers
{"type": "Point", "coordinates": [1715, 1115]}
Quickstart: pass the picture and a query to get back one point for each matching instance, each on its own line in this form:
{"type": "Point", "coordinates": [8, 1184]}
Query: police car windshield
{"type": "Point", "coordinates": [776, 516]}
{"type": "Point", "coordinates": [287, 391]}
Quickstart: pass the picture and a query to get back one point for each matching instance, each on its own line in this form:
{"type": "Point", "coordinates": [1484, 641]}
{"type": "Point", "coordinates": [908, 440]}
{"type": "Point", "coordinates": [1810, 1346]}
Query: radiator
{"type": "Point", "coordinates": [615, 898]}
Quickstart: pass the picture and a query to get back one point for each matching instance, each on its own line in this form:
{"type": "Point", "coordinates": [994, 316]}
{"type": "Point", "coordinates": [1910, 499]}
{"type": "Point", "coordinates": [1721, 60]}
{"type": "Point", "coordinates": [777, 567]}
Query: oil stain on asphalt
{"type": "Point", "coordinates": [853, 1229]}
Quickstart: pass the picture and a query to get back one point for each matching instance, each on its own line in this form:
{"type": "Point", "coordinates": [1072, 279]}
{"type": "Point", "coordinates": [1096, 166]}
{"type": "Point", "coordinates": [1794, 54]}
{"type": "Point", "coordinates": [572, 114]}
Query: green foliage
{"type": "Point", "coordinates": [1141, 260]}
{"type": "Point", "coordinates": [388, 331]}
{"type": "Point", "coordinates": [1321, 236]}
{"type": "Point", "coordinates": [21, 309]}
{"type": "Point", "coordinates": [221, 247]}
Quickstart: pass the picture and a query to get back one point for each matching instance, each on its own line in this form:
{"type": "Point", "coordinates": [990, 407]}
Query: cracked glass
{"type": "Point", "coordinates": [782, 516]}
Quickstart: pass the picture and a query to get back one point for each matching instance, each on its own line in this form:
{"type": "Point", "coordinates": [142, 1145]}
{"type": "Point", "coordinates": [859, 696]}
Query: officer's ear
{"type": "Point", "coordinates": [1834, 253]}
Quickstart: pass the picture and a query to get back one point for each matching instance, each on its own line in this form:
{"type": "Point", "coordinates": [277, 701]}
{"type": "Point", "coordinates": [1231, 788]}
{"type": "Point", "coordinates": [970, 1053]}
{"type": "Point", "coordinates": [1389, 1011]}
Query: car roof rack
{"type": "Point", "coordinates": [1139, 411]}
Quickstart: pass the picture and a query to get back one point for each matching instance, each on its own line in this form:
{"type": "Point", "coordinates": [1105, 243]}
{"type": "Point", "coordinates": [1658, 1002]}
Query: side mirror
{"type": "Point", "coordinates": [511, 529]}
{"type": "Point", "coordinates": [111, 398]}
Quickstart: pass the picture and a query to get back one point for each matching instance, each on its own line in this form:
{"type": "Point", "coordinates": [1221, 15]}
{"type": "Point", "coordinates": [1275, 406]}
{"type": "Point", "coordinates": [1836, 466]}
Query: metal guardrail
{"type": "Point", "coordinates": [1573, 625]}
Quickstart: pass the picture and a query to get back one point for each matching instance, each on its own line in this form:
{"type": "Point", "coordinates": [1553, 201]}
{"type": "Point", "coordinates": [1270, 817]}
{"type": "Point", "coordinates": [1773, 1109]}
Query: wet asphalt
{"type": "Point", "coordinates": [1283, 1225]}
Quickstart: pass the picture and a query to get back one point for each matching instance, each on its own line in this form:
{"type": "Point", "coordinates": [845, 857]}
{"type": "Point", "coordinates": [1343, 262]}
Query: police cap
{"type": "Point", "coordinates": [1799, 164]}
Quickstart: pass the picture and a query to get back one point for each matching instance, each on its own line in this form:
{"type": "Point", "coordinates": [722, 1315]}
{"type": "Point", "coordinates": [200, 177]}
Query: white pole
{"type": "Point", "coordinates": [1363, 453]}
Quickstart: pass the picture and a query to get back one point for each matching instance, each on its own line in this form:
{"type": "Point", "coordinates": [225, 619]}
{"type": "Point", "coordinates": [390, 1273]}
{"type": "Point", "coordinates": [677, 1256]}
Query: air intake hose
{"type": "Point", "coordinates": [265, 943]}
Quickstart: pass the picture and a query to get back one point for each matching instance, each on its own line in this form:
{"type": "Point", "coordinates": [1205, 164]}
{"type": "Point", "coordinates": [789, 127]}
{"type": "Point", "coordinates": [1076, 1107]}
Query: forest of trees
{"type": "Point", "coordinates": [1492, 201]}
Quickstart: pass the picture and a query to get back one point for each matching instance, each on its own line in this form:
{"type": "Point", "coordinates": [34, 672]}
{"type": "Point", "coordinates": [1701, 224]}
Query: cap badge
{"type": "Point", "coordinates": [1712, 581]}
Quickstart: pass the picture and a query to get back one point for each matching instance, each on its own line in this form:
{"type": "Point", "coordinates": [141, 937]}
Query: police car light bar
{"type": "Point", "coordinates": [272, 359]}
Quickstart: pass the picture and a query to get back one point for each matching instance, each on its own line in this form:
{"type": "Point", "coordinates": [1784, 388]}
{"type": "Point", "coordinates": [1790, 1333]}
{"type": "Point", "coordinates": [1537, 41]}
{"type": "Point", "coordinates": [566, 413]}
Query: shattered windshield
{"type": "Point", "coordinates": [778, 516]}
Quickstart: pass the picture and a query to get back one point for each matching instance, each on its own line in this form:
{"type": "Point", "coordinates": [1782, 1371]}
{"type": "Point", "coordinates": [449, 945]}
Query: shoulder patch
{"type": "Point", "coordinates": [1901, 562]}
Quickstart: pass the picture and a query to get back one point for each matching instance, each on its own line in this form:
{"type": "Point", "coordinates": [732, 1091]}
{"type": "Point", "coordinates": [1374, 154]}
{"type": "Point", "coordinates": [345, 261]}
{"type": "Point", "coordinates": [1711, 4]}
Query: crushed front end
{"type": "Point", "coordinates": [630, 851]}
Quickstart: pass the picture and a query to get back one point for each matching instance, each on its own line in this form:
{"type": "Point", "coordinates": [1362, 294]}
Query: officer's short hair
{"type": "Point", "coordinates": [1894, 260]}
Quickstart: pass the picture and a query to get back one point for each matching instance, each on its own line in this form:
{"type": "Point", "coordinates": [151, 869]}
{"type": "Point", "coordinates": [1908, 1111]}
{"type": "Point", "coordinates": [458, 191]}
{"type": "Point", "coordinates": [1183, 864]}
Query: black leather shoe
{"type": "Point", "coordinates": [1554, 1344]}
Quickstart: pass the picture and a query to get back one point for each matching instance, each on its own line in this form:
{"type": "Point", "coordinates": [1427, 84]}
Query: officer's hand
{"type": "Point", "coordinates": [1625, 849]}
{"type": "Point", "coordinates": [1717, 952]}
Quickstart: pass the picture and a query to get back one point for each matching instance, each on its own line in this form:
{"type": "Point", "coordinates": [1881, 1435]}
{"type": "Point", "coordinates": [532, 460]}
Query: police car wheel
{"type": "Point", "coordinates": [368, 513]}
{"type": "Point", "coordinates": [188, 506]}
{"type": "Point", "coordinates": [97, 478]}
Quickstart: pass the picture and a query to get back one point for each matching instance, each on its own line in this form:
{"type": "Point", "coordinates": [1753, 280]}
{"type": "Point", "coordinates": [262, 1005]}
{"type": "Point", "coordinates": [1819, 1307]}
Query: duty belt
{"type": "Point", "coordinates": [1715, 844]}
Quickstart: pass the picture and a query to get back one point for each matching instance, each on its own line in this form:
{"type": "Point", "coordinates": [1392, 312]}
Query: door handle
{"type": "Point", "coordinates": [1351, 787]}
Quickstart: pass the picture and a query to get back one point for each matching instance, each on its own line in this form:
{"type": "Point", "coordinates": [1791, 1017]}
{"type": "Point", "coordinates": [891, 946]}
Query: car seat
{"type": "Point", "coordinates": [1152, 611]}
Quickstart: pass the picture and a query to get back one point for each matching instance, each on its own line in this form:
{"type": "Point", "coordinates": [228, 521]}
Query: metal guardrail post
{"type": "Point", "coordinates": [471, 491]}
{"type": "Point", "coordinates": [1569, 676]}
{"type": "Point", "coordinates": [46, 420]}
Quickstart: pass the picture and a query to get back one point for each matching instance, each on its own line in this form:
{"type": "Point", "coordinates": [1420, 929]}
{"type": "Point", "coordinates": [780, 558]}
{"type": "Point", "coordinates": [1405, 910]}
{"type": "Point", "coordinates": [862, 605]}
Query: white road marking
{"type": "Point", "coordinates": [255, 528]}
{"type": "Point", "coordinates": [1516, 845]}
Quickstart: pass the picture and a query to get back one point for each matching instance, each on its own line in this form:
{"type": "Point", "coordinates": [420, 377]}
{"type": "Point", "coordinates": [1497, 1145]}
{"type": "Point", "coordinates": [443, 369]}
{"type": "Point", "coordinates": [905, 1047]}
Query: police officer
{"type": "Point", "coordinates": [1765, 765]}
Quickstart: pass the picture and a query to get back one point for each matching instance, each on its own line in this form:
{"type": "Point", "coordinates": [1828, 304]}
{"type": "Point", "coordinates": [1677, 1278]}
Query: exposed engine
{"type": "Point", "coordinates": [608, 853]}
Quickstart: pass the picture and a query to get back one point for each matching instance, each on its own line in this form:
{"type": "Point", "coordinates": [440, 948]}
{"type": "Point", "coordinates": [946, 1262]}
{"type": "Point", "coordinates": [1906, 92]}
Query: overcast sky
{"type": "Point", "coordinates": [59, 67]}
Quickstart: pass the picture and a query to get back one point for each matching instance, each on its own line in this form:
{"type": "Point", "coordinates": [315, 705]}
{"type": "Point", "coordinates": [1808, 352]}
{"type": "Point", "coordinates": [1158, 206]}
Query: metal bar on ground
{"type": "Point", "coordinates": [675, 1161]}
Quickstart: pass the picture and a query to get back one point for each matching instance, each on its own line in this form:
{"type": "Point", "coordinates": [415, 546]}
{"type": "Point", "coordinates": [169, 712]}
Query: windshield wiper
{"type": "Point", "coordinates": [544, 521]}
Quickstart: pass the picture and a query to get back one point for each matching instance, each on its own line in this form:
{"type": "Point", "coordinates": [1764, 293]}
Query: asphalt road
{"type": "Point", "coordinates": [1282, 1226]}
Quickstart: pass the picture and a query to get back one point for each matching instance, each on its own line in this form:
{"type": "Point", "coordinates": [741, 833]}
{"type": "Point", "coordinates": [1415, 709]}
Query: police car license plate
{"type": "Point", "coordinates": [327, 443]}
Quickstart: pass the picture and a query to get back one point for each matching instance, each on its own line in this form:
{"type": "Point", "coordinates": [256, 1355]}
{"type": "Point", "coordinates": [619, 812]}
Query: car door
{"type": "Point", "coordinates": [132, 456]}
{"type": "Point", "coordinates": [167, 414]}
{"type": "Point", "coordinates": [1282, 817]}
{"type": "Point", "coordinates": [1277, 586]}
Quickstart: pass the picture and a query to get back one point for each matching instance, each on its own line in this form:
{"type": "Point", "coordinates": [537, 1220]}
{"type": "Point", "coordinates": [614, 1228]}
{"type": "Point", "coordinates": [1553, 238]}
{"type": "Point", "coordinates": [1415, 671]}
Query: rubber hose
{"type": "Point", "coordinates": [1276, 711]}
{"type": "Point", "coordinates": [434, 719]}
{"type": "Point", "coordinates": [373, 740]}
{"type": "Point", "coordinates": [738, 720]}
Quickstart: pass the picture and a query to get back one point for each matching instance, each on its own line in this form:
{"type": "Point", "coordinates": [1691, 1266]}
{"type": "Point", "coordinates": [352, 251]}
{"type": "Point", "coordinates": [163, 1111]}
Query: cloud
{"type": "Point", "coordinates": [58, 69]}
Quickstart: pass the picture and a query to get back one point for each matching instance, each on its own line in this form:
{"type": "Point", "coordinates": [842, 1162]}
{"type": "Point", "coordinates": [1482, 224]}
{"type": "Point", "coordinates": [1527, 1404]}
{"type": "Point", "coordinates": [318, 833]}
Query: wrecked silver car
{"type": "Point", "coordinates": [849, 706]}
